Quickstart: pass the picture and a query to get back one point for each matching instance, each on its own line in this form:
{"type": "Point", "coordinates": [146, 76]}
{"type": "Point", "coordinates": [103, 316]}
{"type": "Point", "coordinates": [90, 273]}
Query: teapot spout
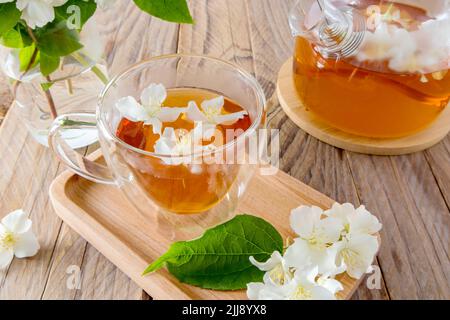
{"type": "Point", "coordinates": [336, 31]}
{"type": "Point", "coordinates": [304, 17]}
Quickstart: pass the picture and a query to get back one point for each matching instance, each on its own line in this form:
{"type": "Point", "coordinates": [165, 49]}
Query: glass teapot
{"type": "Point", "coordinates": [373, 68]}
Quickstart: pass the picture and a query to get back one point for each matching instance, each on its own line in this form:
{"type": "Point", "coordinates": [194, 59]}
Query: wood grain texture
{"type": "Point", "coordinates": [410, 194]}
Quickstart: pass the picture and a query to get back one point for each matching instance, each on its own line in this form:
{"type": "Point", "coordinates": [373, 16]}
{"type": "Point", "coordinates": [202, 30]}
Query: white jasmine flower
{"type": "Point", "coordinates": [276, 268]}
{"type": "Point", "coordinates": [425, 50]}
{"type": "Point", "coordinates": [37, 13]}
{"type": "Point", "coordinates": [211, 114]}
{"type": "Point", "coordinates": [181, 144]}
{"type": "Point", "coordinates": [150, 110]}
{"type": "Point", "coordinates": [376, 45]}
{"type": "Point", "coordinates": [316, 235]}
{"type": "Point", "coordinates": [303, 286]}
{"type": "Point", "coordinates": [16, 238]}
{"type": "Point", "coordinates": [355, 221]}
{"type": "Point", "coordinates": [105, 4]}
{"type": "Point", "coordinates": [356, 253]}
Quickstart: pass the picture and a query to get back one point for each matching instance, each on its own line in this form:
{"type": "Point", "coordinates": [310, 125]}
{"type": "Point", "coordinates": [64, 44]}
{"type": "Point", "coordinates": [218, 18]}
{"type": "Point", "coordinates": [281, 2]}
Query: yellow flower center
{"type": "Point", "coordinates": [301, 294]}
{"type": "Point", "coordinates": [351, 258]}
{"type": "Point", "coordinates": [277, 275]}
{"type": "Point", "coordinates": [317, 240]}
{"type": "Point", "coordinates": [7, 241]}
{"type": "Point", "coordinates": [153, 110]}
{"type": "Point", "coordinates": [184, 144]}
{"type": "Point", "coordinates": [210, 113]}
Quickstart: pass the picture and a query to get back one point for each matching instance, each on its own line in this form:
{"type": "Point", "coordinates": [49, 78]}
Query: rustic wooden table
{"type": "Point", "coordinates": [410, 194]}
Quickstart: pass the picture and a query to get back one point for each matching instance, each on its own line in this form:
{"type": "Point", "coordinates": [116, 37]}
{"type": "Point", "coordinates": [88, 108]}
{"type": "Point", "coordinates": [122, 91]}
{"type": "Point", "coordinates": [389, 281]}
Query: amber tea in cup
{"type": "Point", "coordinates": [178, 188]}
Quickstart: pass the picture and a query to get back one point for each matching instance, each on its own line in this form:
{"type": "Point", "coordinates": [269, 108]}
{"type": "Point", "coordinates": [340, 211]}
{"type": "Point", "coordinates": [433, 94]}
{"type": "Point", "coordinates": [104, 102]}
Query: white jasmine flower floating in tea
{"type": "Point", "coordinates": [16, 238]}
{"type": "Point", "coordinates": [329, 243]}
{"type": "Point", "coordinates": [180, 131]}
{"type": "Point", "coordinates": [211, 114]}
{"type": "Point", "coordinates": [181, 143]}
{"type": "Point", "coordinates": [150, 110]}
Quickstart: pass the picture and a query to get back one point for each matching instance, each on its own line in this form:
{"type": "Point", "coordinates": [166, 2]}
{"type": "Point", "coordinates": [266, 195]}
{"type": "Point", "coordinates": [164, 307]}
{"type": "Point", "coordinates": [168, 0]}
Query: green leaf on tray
{"type": "Point", "coordinates": [58, 41]}
{"type": "Point", "coordinates": [10, 15]}
{"type": "Point", "coordinates": [219, 260]}
{"type": "Point", "coordinates": [169, 10]}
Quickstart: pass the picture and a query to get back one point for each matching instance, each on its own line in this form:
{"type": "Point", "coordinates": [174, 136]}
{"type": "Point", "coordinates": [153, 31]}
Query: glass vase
{"type": "Point", "coordinates": [73, 87]}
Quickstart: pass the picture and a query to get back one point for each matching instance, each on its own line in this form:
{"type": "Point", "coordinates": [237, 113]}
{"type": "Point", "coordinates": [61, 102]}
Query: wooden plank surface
{"type": "Point", "coordinates": [410, 194]}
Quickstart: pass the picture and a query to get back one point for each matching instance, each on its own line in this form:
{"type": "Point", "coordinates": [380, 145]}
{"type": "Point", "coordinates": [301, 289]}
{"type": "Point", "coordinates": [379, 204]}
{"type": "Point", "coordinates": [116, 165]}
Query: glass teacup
{"type": "Point", "coordinates": [200, 188]}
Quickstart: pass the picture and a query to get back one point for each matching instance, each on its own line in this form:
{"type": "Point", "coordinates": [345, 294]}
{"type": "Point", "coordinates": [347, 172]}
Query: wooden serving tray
{"type": "Point", "coordinates": [103, 216]}
{"type": "Point", "coordinates": [291, 104]}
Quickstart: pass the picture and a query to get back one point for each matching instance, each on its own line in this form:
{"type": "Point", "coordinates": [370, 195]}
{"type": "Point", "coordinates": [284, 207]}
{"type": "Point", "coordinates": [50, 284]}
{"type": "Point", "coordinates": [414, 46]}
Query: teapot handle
{"type": "Point", "coordinates": [75, 161]}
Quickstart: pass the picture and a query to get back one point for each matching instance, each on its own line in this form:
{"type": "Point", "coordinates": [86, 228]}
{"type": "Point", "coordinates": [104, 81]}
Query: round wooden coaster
{"type": "Point", "coordinates": [307, 121]}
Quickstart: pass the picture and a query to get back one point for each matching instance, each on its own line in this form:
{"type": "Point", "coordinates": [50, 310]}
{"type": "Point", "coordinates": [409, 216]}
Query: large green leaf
{"type": "Point", "coordinates": [169, 10]}
{"type": "Point", "coordinates": [9, 16]}
{"type": "Point", "coordinates": [58, 41]}
{"type": "Point", "coordinates": [69, 10]}
{"type": "Point", "coordinates": [219, 260]}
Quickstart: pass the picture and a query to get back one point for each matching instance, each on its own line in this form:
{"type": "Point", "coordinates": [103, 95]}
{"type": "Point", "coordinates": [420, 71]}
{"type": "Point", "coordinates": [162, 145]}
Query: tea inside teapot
{"type": "Point", "coordinates": [391, 77]}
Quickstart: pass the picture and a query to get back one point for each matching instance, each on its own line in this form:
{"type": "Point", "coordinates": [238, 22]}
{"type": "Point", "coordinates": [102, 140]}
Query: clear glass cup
{"type": "Point", "coordinates": [156, 184]}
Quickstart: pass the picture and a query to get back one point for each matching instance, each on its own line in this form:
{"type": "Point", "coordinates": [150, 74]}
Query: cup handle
{"type": "Point", "coordinates": [75, 161]}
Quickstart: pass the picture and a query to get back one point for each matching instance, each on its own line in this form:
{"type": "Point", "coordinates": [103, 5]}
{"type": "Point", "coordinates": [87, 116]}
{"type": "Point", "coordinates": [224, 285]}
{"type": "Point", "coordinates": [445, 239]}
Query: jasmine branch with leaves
{"type": "Point", "coordinates": [43, 33]}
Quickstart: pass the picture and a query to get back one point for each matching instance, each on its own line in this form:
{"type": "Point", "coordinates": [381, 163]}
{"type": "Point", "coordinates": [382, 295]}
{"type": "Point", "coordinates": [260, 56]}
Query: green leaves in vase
{"type": "Point", "coordinates": [10, 16]}
{"type": "Point", "coordinates": [58, 35]}
{"type": "Point", "coordinates": [219, 260]}
{"type": "Point", "coordinates": [169, 10]}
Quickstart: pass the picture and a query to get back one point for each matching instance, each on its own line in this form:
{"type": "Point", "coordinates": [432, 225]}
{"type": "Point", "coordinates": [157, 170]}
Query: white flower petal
{"type": "Point", "coordinates": [215, 104]}
{"type": "Point", "coordinates": [6, 257]}
{"type": "Point", "coordinates": [330, 284]}
{"type": "Point", "coordinates": [36, 13]}
{"type": "Point", "coordinates": [26, 245]}
{"type": "Point", "coordinates": [193, 113]}
{"type": "Point", "coordinates": [105, 4]}
{"type": "Point", "coordinates": [298, 255]}
{"type": "Point", "coordinates": [340, 211]}
{"type": "Point", "coordinates": [303, 220]}
{"type": "Point", "coordinates": [328, 230]}
{"type": "Point", "coordinates": [156, 125]}
{"type": "Point", "coordinates": [169, 134]}
{"type": "Point", "coordinates": [321, 293]}
{"type": "Point", "coordinates": [131, 109]}
{"type": "Point", "coordinates": [357, 254]}
{"type": "Point", "coordinates": [364, 222]}
{"type": "Point", "coordinates": [17, 222]}
{"type": "Point", "coordinates": [273, 261]}
{"type": "Point", "coordinates": [229, 119]}
{"type": "Point", "coordinates": [254, 290]}
{"type": "Point", "coordinates": [155, 94]}
{"type": "Point", "coordinates": [170, 114]}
